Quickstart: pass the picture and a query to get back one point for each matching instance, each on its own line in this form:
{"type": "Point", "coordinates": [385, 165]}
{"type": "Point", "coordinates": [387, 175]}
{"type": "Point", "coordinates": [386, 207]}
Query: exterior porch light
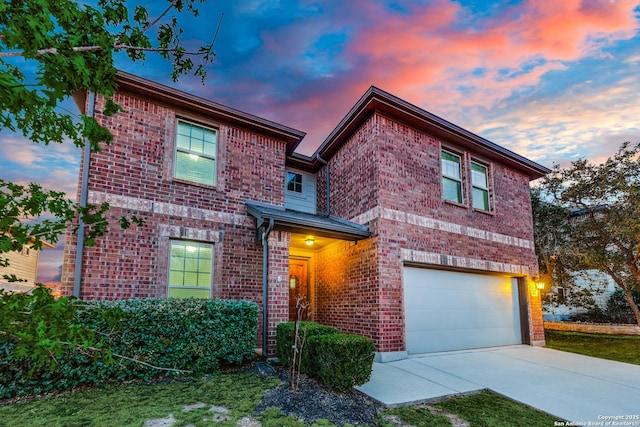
{"type": "Point", "coordinates": [539, 283]}
{"type": "Point", "coordinates": [309, 240]}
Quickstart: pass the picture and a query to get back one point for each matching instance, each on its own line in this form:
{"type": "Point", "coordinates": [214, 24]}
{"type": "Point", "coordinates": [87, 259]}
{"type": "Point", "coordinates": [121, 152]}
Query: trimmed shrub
{"type": "Point", "coordinates": [189, 334]}
{"type": "Point", "coordinates": [284, 338]}
{"type": "Point", "coordinates": [194, 335]}
{"type": "Point", "coordinates": [341, 361]}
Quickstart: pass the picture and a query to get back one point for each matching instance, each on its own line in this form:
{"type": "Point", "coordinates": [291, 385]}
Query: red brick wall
{"type": "Point", "coordinates": [278, 284]}
{"type": "Point", "coordinates": [347, 288]}
{"type": "Point", "coordinates": [387, 176]}
{"type": "Point", "coordinates": [134, 174]}
{"type": "Point", "coordinates": [353, 174]}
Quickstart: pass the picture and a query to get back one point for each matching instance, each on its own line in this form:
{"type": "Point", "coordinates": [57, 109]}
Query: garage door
{"type": "Point", "coordinates": [447, 310]}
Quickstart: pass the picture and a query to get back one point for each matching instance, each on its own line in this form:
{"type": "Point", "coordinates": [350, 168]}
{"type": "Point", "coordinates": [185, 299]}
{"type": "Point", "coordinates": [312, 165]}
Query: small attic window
{"type": "Point", "coordinates": [294, 182]}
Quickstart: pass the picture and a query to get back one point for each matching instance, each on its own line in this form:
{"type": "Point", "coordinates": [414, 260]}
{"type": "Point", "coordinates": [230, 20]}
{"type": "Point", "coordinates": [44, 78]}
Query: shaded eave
{"type": "Point", "coordinates": [166, 95]}
{"type": "Point", "coordinates": [377, 100]}
{"type": "Point", "coordinates": [306, 223]}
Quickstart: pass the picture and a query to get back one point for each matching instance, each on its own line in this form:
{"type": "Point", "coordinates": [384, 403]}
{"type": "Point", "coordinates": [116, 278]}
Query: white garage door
{"type": "Point", "coordinates": [447, 310]}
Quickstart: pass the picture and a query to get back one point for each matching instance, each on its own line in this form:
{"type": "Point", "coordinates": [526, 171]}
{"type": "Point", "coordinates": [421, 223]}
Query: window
{"type": "Point", "coordinates": [196, 149]}
{"type": "Point", "coordinates": [480, 186]}
{"type": "Point", "coordinates": [451, 177]}
{"type": "Point", "coordinates": [190, 269]}
{"type": "Point", "coordinates": [294, 182]}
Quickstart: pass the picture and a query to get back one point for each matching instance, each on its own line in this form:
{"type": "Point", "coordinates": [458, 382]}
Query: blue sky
{"type": "Point", "coordinates": [553, 81]}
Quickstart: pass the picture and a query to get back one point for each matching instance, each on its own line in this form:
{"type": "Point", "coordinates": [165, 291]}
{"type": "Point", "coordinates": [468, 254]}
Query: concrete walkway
{"type": "Point", "coordinates": [569, 386]}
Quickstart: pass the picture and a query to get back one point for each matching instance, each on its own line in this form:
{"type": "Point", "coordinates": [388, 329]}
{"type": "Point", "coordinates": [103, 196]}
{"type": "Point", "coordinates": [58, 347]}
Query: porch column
{"type": "Point", "coordinates": [278, 299]}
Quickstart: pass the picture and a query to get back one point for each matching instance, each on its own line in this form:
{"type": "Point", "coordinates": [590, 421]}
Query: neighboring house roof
{"type": "Point", "coordinates": [302, 222]}
{"type": "Point", "coordinates": [377, 100]}
{"type": "Point", "coordinates": [167, 95]}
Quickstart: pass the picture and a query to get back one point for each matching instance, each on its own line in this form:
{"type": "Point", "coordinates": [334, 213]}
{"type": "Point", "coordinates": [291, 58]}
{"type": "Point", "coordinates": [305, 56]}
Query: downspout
{"type": "Point", "coordinates": [84, 190]}
{"type": "Point", "coordinates": [265, 288]}
{"type": "Point", "coordinates": [327, 185]}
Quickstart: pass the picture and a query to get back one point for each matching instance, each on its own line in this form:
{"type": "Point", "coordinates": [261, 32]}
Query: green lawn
{"type": "Point", "coordinates": [482, 409]}
{"type": "Point", "coordinates": [131, 405]}
{"type": "Point", "coordinates": [623, 348]}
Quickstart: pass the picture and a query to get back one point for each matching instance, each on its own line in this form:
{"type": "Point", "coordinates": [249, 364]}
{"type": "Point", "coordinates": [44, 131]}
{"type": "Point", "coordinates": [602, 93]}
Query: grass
{"type": "Point", "coordinates": [416, 416]}
{"type": "Point", "coordinates": [479, 410]}
{"type": "Point", "coordinates": [489, 409]}
{"type": "Point", "coordinates": [131, 405]}
{"type": "Point", "coordinates": [622, 348]}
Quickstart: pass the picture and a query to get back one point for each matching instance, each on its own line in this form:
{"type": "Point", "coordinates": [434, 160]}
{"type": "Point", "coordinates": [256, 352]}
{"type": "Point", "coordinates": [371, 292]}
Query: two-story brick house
{"type": "Point", "coordinates": [401, 227]}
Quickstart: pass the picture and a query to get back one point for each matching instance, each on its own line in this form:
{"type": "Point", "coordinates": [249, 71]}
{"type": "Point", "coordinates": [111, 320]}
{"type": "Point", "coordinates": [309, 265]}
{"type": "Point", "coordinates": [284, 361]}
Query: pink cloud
{"type": "Point", "coordinates": [428, 57]}
{"type": "Point", "coordinates": [568, 29]}
{"type": "Point", "coordinates": [439, 56]}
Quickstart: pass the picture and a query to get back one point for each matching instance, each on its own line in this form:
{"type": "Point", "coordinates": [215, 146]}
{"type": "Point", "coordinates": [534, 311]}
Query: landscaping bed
{"type": "Point", "coordinates": [248, 399]}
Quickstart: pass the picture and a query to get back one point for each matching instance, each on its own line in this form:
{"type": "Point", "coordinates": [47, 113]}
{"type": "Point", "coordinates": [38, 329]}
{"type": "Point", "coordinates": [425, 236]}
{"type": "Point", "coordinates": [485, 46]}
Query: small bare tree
{"type": "Point", "coordinates": [297, 346]}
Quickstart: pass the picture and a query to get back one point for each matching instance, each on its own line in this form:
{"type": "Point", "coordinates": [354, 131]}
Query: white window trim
{"type": "Point", "coordinates": [206, 156]}
{"type": "Point", "coordinates": [210, 287]}
{"type": "Point", "coordinates": [302, 184]}
{"type": "Point", "coordinates": [487, 188]}
{"type": "Point", "coordinates": [453, 178]}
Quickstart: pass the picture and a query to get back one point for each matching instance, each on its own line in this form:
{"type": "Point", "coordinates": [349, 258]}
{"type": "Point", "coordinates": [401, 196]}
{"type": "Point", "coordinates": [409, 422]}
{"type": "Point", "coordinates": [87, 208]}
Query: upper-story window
{"type": "Point", "coordinates": [451, 177]}
{"type": "Point", "coordinates": [196, 153]}
{"type": "Point", "coordinates": [294, 182]}
{"type": "Point", "coordinates": [480, 186]}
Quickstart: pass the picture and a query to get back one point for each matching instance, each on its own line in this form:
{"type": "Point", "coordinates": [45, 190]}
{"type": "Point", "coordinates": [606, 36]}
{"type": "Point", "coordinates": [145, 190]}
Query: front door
{"type": "Point", "coordinates": [298, 285]}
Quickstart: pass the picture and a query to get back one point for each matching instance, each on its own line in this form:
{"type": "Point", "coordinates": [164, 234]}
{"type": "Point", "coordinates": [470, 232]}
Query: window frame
{"type": "Point", "coordinates": [176, 149]}
{"type": "Point", "coordinates": [198, 244]}
{"type": "Point", "coordinates": [486, 189]}
{"type": "Point", "coordinates": [297, 193]}
{"type": "Point", "coordinates": [444, 176]}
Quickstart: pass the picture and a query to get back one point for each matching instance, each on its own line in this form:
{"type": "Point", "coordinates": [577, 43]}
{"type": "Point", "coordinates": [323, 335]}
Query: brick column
{"type": "Point", "coordinates": [536, 324]}
{"type": "Point", "coordinates": [278, 298]}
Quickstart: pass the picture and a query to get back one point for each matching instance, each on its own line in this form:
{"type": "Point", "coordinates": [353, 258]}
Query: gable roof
{"type": "Point", "coordinates": [377, 100]}
{"type": "Point", "coordinates": [166, 95]}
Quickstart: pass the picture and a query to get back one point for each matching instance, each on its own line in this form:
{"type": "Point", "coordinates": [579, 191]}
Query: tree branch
{"type": "Point", "coordinates": [117, 46]}
{"type": "Point", "coordinates": [51, 51]}
{"type": "Point", "coordinates": [120, 356]}
{"type": "Point", "coordinates": [171, 6]}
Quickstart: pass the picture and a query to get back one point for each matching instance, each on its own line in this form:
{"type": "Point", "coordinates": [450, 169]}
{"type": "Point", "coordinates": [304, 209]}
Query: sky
{"type": "Point", "coordinates": [554, 81]}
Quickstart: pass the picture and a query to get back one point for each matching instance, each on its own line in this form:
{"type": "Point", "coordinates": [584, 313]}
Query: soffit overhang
{"type": "Point", "coordinates": [376, 100]}
{"type": "Point", "coordinates": [166, 95]}
{"type": "Point", "coordinates": [306, 223]}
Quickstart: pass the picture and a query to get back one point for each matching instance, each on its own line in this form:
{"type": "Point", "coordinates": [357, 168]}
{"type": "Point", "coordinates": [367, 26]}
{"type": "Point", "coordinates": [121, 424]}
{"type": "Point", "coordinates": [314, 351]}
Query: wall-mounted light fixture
{"type": "Point", "coordinates": [309, 240]}
{"type": "Point", "coordinates": [539, 282]}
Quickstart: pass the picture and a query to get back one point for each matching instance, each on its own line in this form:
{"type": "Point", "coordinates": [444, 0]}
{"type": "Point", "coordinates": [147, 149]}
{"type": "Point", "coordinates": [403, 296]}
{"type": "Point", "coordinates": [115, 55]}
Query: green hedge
{"type": "Point", "coordinates": [342, 361]}
{"type": "Point", "coordinates": [187, 334]}
{"type": "Point", "coordinates": [284, 337]}
{"type": "Point", "coordinates": [339, 360]}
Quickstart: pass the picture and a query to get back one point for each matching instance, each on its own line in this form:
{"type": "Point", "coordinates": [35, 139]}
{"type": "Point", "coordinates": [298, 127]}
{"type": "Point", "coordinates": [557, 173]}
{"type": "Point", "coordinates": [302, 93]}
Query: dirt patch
{"type": "Point", "coordinates": [314, 401]}
{"type": "Point", "coordinates": [456, 421]}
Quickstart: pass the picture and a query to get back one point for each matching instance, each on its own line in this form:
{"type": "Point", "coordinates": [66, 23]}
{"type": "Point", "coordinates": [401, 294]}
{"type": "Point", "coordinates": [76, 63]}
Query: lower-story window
{"type": "Point", "coordinates": [190, 269]}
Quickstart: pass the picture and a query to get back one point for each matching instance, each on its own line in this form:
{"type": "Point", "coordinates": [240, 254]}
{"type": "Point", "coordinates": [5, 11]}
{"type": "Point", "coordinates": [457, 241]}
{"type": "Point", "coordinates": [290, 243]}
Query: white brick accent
{"type": "Point", "coordinates": [170, 209]}
{"type": "Point", "coordinates": [409, 255]}
{"type": "Point", "coordinates": [436, 224]}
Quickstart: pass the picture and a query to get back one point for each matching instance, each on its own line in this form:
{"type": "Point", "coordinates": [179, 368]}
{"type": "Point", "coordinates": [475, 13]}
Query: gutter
{"type": "Point", "coordinates": [84, 191]}
{"type": "Point", "coordinates": [327, 184]}
{"type": "Point", "coordinates": [265, 288]}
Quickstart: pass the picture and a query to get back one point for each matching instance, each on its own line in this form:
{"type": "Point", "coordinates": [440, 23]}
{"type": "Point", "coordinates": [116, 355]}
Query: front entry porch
{"type": "Point", "coordinates": [310, 256]}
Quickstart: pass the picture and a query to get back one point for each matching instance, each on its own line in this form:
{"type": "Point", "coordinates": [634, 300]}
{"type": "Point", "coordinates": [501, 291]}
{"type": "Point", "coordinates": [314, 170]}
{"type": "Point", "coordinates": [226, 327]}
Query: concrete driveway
{"type": "Point", "coordinates": [569, 386]}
